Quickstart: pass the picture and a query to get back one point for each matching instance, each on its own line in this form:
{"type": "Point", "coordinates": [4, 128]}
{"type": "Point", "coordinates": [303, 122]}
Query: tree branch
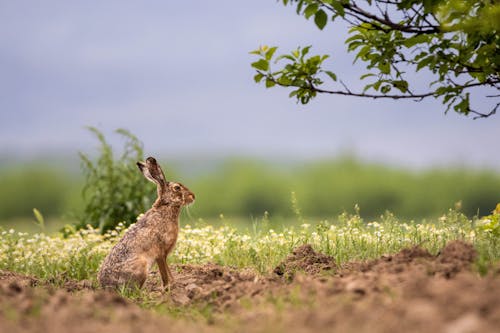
{"type": "Point", "coordinates": [347, 92]}
{"type": "Point", "coordinates": [352, 9]}
{"type": "Point", "coordinates": [484, 115]}
{"type": "Point", "coordinates": [428, 29]}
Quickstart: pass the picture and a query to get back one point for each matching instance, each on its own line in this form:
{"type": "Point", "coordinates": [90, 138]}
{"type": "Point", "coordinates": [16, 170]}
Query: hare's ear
{"type": "Point", "coordinates": [144, 170]}
{"type": "Point", "coordinates": [152, 171]}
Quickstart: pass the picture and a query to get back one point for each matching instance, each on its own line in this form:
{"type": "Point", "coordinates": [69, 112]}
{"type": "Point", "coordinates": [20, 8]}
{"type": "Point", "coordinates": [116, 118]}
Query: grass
{"type": "Point", "coordinates": [79, 254]}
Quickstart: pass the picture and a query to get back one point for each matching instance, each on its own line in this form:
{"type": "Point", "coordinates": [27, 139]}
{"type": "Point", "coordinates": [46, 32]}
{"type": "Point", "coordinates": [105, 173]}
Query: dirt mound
{"type": "Point", "coordinates": [458, 251]}
{"type": "Point", "coordinates": [7, 277]}
{"type": "Point", "coordinates": [455, 257]}
{"type": "Point", "coordinates": [304, 259]}
{"type": "Point", "coordinates": [220, 287]}
{"type": "Point", "coordinates": [410, 254]}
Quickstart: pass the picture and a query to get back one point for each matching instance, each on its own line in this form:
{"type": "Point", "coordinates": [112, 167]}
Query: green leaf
{"type": "Point", "coordinates": [310, 10]}
{"type": "Point", "coordinates": [442, 90]}
{"type": "Point", "coordinates": [424, 62]}
{"type": "Point", "coordinates": [354, 45]}
{"type": "Point", "coordinates": [305, 51]}
{"type": "Point", "coordinates": [299, 7]}
{"type": "Point", "coordinates": [412, 41]}
{"type": "Point", "coordinates": [258, 77]}
{"type": "Point", "coordinates": [270, 83]}
{"type": "Point", "coordinates": [401, 85]}
{"type": "Point", "coordinates": [261, 64]}
{"type": "Point", "coordinates": [257, 52]}
{"type": "Point", "coordinates": [284, 56]}
{"type": "Point", "coordinates": [314, 60]}
{"type": "Point", "coordinates": [364, 51]}
{"type": "Point", "coordinates": [284, 81]}
{"type": "Point", "coordinates": [332, 75]}
{"type": "Point", "coordinates": [463, 106]}
{"type": "Point", "coordinates": [270, 53]}
{"type": "Point", "coordinates": [384, 67]}
{"type": "Point", "coordinates": [385, 89]}
{"type": "Point", "coordinates": [364, 76]}
{"type": "Point", "coordinates": [337, 5]}
{"type": "Point", "coordinates": [320, 18]}
{"type": "Point", "coordinates": [353, 38]}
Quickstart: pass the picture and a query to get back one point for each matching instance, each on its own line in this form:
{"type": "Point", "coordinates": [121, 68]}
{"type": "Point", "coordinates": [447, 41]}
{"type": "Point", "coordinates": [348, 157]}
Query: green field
{"type": "Point", "coordinates": [248, 188]}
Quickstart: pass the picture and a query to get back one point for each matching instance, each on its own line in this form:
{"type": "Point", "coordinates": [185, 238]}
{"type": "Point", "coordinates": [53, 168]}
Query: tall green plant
{"type": "Point", "coordinates": [114, 189]}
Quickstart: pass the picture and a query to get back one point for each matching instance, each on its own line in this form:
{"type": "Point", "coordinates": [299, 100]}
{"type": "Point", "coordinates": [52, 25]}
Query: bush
{"type": "Point", "coordinates": [115, 191]}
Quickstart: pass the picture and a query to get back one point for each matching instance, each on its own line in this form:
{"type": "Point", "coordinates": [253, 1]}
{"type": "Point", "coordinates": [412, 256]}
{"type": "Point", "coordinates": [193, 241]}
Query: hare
{"type": "Point", "coordinates": [151, 239]}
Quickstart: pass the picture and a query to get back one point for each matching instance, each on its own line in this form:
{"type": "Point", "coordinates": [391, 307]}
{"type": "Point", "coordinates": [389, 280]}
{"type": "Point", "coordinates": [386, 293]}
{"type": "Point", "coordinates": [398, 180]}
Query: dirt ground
{"type": "Point", "coordinates": [411, 291]}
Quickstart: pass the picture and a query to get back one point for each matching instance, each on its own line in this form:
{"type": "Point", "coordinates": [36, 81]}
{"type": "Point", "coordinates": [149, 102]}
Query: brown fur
{"type": "Point", "coordinates": [151, 239]}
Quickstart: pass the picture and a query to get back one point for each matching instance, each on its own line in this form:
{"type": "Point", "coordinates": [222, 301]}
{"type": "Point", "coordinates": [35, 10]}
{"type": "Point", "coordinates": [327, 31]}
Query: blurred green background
{"type": "Point", "coordinates": [246, 188]}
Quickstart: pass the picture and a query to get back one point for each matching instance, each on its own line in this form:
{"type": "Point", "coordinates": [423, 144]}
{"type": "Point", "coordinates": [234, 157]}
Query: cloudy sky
{"type": "Point", "coordinates": [177, 74]}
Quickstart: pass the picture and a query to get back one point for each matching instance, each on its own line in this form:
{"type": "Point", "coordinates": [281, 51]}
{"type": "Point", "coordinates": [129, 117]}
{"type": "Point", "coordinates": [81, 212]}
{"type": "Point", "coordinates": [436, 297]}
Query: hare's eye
{"type": "Point", "coordinates": [177, 188]}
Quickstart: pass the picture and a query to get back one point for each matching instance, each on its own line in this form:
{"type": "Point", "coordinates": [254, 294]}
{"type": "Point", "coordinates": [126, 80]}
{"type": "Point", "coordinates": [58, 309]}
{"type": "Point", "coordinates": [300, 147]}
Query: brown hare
{"type": "Point", "coordinates": [151, 238]}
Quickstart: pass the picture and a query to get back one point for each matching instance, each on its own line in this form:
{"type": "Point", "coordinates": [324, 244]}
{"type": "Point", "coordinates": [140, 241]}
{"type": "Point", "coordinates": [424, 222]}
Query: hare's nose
{"type": "Point", "coordinates": [191, 196]}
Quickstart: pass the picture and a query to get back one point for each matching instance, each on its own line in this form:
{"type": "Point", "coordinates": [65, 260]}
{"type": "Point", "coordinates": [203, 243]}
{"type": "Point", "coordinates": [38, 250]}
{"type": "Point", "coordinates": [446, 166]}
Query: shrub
{"type": "Point", "coordinates": [114, 190]}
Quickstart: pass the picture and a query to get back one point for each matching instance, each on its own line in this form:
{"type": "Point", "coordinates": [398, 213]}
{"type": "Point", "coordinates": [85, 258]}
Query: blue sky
{"type": "Point", "coordinates": [177, 74]}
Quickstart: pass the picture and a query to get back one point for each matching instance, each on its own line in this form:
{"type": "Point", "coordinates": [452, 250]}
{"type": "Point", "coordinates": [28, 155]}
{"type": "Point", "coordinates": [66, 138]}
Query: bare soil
{"type": "Point", "coordinates": [411, 291]}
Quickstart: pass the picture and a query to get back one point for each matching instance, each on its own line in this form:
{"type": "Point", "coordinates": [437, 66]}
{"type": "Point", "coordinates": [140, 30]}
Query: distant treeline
{"type": "Point", "coordinates": [52, 190]}
{"type": "Point", "coordinates": [325, 189]}
{"type": "Point", "coordinates": [250, 188]}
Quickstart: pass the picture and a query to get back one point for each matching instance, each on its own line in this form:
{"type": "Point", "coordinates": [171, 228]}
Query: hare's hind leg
{"type": "Point", "coordinates": [133, 273]}
{"type": "Point", "coordinates": [166, 275]}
